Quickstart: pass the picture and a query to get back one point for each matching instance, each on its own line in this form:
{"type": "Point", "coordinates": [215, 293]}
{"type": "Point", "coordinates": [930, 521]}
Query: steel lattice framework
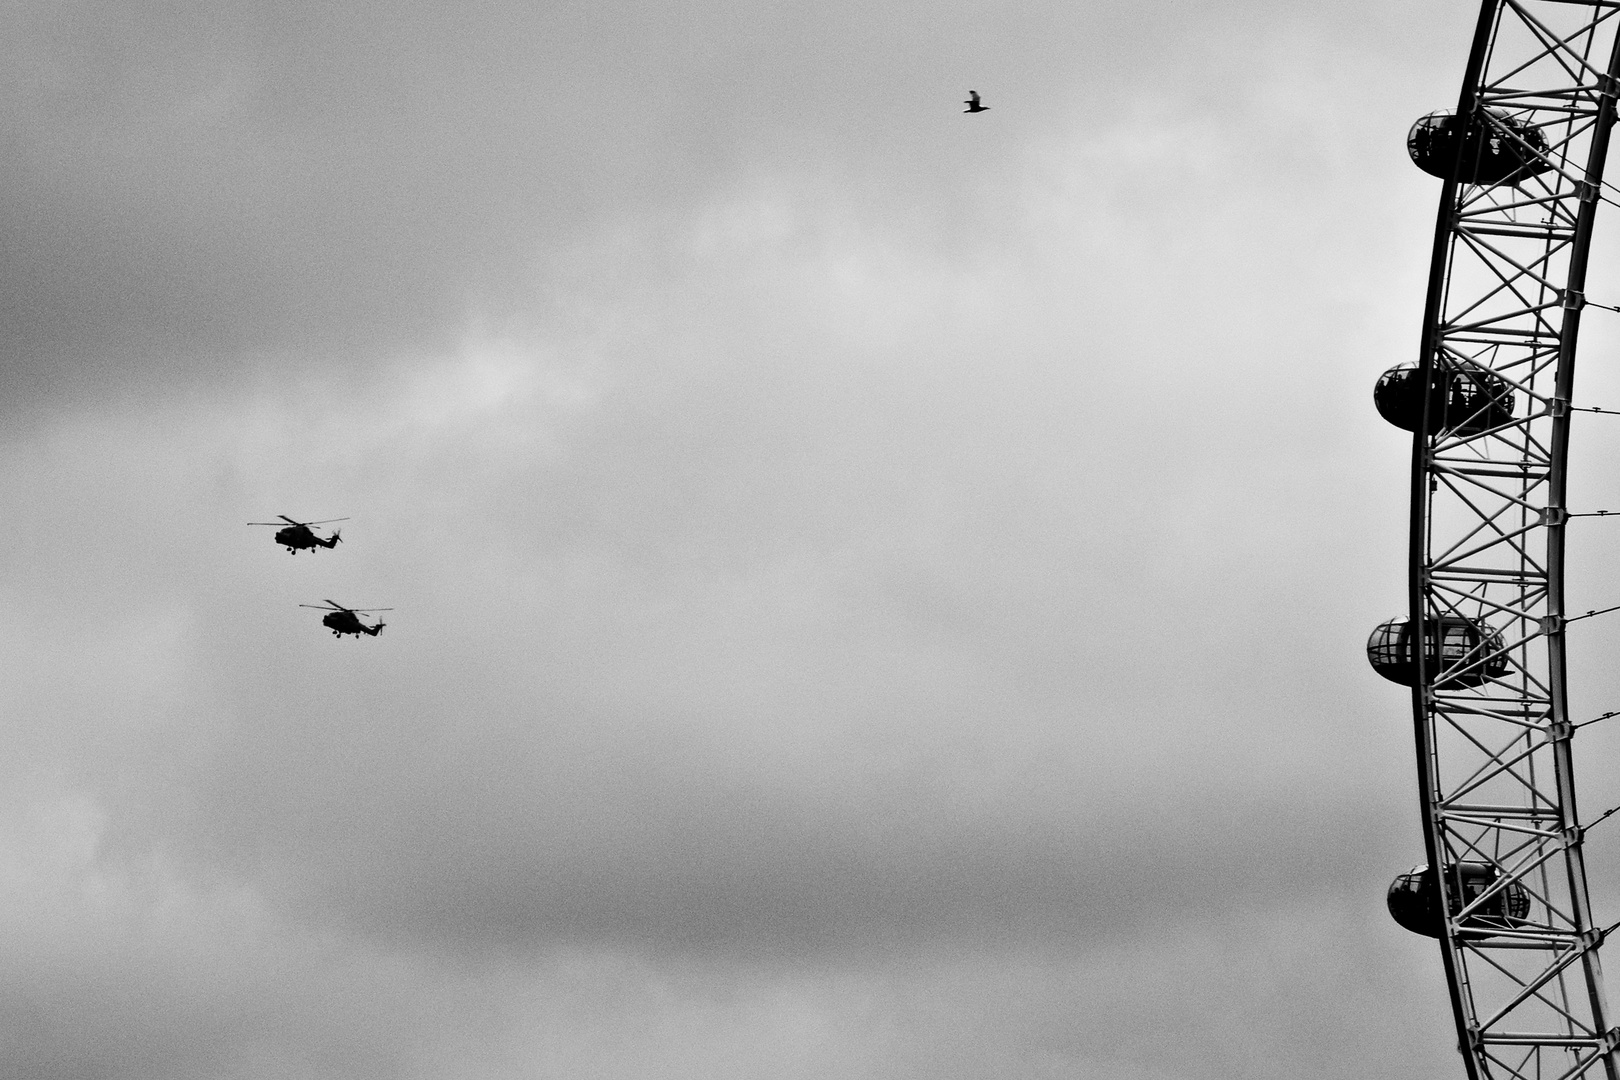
{"type": "Point", "coordinates": [1493, 728]}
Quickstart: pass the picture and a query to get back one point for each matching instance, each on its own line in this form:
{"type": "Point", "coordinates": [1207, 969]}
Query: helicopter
{"type": "Point", "coordinates": [298, 534]}
{"type": "Point", "coordinates": [342, 620]}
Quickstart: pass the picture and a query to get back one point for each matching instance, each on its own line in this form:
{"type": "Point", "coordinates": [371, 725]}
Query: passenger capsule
{"type": "Point", "coordinates": [1501, 149]}
{"type": "Point", "coordinates": [1462, 401]}
{"type": "Point", "coordinates": [1461, 650]}
{"type": "Point", "coordinates": [1414, 900]}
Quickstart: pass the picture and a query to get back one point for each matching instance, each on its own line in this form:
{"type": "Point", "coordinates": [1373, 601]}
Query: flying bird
{"type": "Point", "coordinates": [972, 103]}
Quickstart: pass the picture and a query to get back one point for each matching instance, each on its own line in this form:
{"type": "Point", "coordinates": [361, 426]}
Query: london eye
{"type": "Point", "coordinates": [1489, 402]}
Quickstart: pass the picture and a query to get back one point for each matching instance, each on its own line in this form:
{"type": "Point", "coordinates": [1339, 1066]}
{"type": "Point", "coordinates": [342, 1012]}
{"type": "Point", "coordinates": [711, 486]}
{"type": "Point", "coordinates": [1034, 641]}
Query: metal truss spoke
{"type": "Point", "coordinates": [1502, 205]}
{"type": "Point", "coordinates": [1566, 918]}
{"type": "Point", "coordinates": [1577, 121]}
{"type": "Point", "coordinates": [1510, 283]}
{"type": "Point", "coordinates": [1449, 709]}
{"type": "Point", "coordinates": [1531, 349]}
{"type": "Point", "coordinates": [1572, 187]}
{"type": "Point", "coordinates": [1493, 767]}
{"type": "Point", "coordinates": [1531, 308]}
{"type": "Point", "coordinates": [1499, 764]}
{"type": "Point", "coordinates": [1542, 101]}
{"type": "Point", "coordinates": [1533, 987]}
{"type": "Point", "coordinates": [1483, 440]}
{"type": "Point", "coordinates": [1485, 445]}
{"type": "Point", "coordinates": [1502, 537]}
{"type": "Point", "coordinates": [1509, 654]}
{"type": "Point", "coordinates": [1560, 1008]}
{"type": "Point", "coordinates": [1500, 858]}
{"type": "Point", "coordinates": [1440, 591]}
{"type": "Point", "coordinates": [1535, 794]}
{"type": "Point", "coordinates": [1487, 525]}
{"type": "Point", "coordinates": [1584, 1065]}
{"type": "Point", "coordinates": [1449, 583]}
{"type": "Point", "coordinates": [1556, 47]}
{"type": "Point", "coordinates": [1444, 470]}
{"type": "Point", "coordinates": [1482, 248]}
{"type": "Point", "coordinates": [1505, 653]}
{"type": "Point", "coordinates": [1486, 822]}
{"type": "Point", "coordinates": [1554, 155]}
{"type": "Point", "coordinates": [1497, 367]}
{"type": "Point", "coordinates": [1478, 245]}
{"type": "Point", "coordinates": [1547, 357]}
{"type": "Point", "coordinates": [1473, 451]}
{"type": "Point", "coordinates": [1553, 203]}
{"type": "Point", "coordinates": [1512, 710]}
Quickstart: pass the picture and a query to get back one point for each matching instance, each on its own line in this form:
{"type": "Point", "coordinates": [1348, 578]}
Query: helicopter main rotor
{"type": "Point", "coordinates": [333, 605]}
{"type": "Point", "coordinates": [289, 521]}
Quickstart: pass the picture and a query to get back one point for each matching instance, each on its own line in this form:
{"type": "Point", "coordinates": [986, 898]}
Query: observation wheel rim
{"type": "Point", "coordinates": [1426, 477]}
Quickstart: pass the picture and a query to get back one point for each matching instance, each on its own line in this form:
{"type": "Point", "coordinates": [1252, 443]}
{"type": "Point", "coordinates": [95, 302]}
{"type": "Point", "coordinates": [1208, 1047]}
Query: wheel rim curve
{"type": "Point", "coordinates": [1488, 517]}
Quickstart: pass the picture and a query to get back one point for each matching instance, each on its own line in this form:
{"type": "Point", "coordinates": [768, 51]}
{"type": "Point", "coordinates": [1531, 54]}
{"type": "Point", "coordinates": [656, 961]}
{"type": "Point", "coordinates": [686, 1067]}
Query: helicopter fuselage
{"type": "Point", "coordinates": [297, 537]}
{"type": "Point", "coordinates": [347, 622]}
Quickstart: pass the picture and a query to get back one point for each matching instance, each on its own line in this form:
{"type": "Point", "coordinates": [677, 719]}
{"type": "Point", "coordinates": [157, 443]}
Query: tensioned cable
{"type": "Point", "coordinates": [1599, 611]}
{"type": "Point", "coordinates": [1587, 827]}
{"type": "Point", "coordinates": [1596, 719]}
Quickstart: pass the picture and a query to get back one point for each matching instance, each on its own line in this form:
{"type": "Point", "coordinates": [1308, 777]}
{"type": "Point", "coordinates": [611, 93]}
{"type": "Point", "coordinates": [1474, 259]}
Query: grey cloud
{"type": "Point", "coordinates": [201, 194]}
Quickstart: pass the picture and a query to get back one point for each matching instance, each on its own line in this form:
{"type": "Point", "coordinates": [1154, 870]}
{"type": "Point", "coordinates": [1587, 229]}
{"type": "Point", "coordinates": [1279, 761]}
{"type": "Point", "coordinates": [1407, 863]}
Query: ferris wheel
{"type": "Point", "coordinates": [1489, 402]}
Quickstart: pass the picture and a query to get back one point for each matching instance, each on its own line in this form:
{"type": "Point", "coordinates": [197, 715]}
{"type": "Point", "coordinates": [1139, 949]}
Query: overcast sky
{"type": "Point", "coordinates": [880, 592]}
